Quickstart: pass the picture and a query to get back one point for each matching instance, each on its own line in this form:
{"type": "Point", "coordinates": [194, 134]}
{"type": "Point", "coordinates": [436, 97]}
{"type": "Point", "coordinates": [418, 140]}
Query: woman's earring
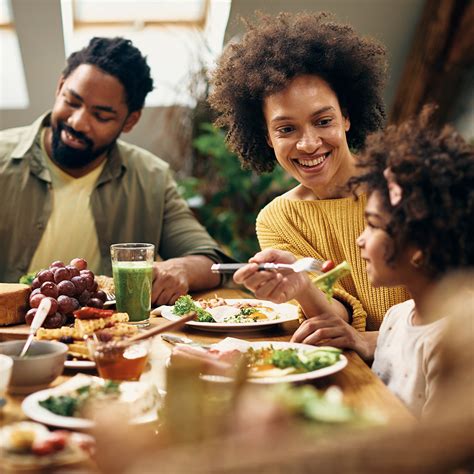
{"type": "Point", "coordinates": [417, 259]}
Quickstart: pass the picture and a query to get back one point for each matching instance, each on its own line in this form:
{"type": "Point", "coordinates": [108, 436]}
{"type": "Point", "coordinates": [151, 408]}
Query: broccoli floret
{"type": "Point", "coordinates": [185, 304]}
{"type": "Point", "coordinates": [63, 405]}
{"type": "Point", "coordinates": [204, 316]}
{"type": "Point", "coordinates": [248, 311]}
{"type": "Point", "coordinates": [287, 358]}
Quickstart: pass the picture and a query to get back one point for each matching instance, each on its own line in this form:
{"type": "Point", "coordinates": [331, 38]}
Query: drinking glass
{"type": "Point", "coordinates": [132, 267]}
{"type": "Point", "coordinates": [119, 363]}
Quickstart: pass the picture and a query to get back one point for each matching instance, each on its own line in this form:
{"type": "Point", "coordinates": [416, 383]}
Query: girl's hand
{"type": "Point", "coordinates": [329, 329]}
{"type": "Point", "coordinates": [278, 287]}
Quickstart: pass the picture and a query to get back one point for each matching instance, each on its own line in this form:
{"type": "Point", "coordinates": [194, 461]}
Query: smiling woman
{"type": "Point", "coordinates": [307, 131]}
{"type": "Point", "coordinates": [304, 92]}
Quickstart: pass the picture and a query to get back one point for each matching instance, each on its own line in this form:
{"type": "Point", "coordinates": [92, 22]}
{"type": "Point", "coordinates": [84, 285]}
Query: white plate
{"type": "Point", "coordinates": [286, 312]}
{"type": "Point", "coordinates": [79, 364]}
{"type": "Point", "coordinates": [315, 374]}
{"type": "Point", "coordinates": [32, 409]}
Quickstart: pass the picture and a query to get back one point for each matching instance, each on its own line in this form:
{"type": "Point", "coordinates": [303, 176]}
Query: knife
{"type": "Point", "coordinates": [173, 339]}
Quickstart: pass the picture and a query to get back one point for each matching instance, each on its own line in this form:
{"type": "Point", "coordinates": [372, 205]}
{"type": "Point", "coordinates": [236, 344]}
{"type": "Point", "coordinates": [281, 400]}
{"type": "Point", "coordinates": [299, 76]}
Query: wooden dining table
{"type": "Point", "coordinates": [361, 388]}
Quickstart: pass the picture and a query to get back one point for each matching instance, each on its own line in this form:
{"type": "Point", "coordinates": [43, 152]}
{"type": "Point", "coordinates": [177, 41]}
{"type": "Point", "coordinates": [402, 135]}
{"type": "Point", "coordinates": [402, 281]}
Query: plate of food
{"type": "Point", "coordinates": [26, 445]}
{"type": "Point", "coordinates": [68, 404]}
{"type": "Point", "coordinates": [219, 314]}
{"type": "Point", "coordinates": [267, 362]}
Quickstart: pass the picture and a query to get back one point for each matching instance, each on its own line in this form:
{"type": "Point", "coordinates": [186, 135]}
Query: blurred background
{"type": "Point", "coordinates": [430, 46]}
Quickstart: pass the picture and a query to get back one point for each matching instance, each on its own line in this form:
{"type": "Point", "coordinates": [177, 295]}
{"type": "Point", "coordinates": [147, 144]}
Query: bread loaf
{"type": "Point", "coordinates": [13, 303]}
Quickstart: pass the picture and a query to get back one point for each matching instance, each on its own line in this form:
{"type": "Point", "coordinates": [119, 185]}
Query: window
{"type": "Point", "coordinates": [13, 91]}
{"type": "Point", "coordinates": [179, 37]}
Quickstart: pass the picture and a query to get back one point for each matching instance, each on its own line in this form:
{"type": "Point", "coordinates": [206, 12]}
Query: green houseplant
{"type": "Point", "coordinates": [228, 198]}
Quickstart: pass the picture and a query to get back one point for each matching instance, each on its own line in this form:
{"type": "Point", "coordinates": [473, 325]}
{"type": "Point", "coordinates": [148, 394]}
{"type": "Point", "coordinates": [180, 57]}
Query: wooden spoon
{"type": "Point", "coordinates": [154, 331]}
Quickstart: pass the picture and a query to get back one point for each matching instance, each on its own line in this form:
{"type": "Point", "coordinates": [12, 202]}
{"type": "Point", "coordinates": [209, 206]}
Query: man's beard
{"type": "Point", "coordinates": [73, 158]}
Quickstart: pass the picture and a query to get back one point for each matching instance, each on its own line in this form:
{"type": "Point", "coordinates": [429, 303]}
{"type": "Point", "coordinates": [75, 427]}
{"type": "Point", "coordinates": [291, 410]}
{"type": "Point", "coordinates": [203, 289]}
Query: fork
{"type": "Point", "coordinates": [306, 264]}
{"type": "Point", "coordinates": [110, 298]}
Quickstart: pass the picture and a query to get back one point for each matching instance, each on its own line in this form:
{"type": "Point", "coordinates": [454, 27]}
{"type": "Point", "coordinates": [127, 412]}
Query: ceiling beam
{"type": "Point", "coordinates": [442, 51]}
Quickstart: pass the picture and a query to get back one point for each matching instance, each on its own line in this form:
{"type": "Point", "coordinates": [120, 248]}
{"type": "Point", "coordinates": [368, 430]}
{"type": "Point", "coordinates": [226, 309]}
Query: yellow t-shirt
{"type": "Point", "coordinates": [70, 231]}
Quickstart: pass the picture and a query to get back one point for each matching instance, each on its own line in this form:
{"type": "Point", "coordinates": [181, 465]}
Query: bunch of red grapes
{"type": "Point", "coordinates": [68, 287]}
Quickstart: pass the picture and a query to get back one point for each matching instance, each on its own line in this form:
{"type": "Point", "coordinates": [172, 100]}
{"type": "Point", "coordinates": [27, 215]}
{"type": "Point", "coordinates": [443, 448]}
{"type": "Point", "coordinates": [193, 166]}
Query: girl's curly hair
{"type": "Point", "coordinates": [435, 170]}
{"type": "Point", "coordinates": [275, 51]}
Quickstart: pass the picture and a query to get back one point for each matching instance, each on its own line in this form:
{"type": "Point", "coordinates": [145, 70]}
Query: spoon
{"type": "Point", "coordinates": [40, 316]}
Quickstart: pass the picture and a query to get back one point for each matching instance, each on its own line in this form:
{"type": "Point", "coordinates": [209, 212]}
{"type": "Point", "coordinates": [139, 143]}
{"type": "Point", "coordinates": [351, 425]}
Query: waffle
{"type": "Point", "coordinates": [85, 327]}
{"type": "Point", "coordinates": [116, 326]}
{"type": "Point", "coordinates": [79, 350]}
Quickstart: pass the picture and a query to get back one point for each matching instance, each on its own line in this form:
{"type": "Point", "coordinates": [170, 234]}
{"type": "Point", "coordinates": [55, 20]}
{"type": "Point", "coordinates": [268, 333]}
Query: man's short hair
{"type": "Point", "coordinates": [119, 58]}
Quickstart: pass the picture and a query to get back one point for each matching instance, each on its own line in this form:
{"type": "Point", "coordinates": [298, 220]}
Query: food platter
{"type": "Point", "coordinates": [282, 313]}
{"type": "Point", "coordinates": [32, 408]}
{"type": "Point", "coordinates": [47, 450]}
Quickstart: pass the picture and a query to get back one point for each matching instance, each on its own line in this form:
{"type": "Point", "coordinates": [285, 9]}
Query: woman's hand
{"type": "Point", "coordinates": [283, 286]}
{"type": "Point", "coordinates": [278, 287]}
{"type": "Point", "coordinates": [329, 329]}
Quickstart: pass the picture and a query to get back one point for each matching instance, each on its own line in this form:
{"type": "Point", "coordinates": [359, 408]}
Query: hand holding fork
{"type": "Point", "coordinates": [274, 285]}
{"type": "Point", "coordinates": [306, 264]}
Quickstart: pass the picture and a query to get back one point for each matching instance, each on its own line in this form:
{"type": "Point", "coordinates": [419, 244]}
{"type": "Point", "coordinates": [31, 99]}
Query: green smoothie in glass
{"type": "Point", "coordinates": [132, 267]}
{"type": "Point", "coordinates": [133, 282]}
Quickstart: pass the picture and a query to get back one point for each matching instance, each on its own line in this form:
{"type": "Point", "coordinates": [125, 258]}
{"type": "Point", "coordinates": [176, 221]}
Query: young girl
{"type": "Point", "coordinates": [419, 228]}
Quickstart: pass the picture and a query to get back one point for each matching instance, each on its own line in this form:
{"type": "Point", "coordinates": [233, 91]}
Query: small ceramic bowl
{"type": "Point", "coordinates": [42, 364]}
{"type": "Point", "coordinates": [6, 364]}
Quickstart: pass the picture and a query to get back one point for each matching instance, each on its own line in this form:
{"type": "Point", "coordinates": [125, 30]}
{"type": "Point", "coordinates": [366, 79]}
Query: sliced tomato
{"type": "Point", "coordinates": [58, 439]}
{"type": "Point", "coordinates": [43, 447]}
{"type": "Point", "coordinates": [327, 265]}
{"type": "Point", "coordinates": [92, 313]}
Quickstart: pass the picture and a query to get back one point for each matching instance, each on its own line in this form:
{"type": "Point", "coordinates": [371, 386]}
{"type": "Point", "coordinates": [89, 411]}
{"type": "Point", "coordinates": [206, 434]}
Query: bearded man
{"type": "Point", "coordinates": [71, 188]}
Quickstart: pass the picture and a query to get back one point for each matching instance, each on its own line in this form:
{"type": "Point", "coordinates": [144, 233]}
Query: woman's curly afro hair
{"type": "Point", "coordinates": [435, 170]}
{"type": "Point", "coordinates": [275, 51]}
{"type": "Point", "coordinates": [119, 58]}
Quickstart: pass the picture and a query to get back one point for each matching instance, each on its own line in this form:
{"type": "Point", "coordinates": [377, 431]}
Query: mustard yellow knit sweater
{"type": "Point", "coordinates": [327, 229]}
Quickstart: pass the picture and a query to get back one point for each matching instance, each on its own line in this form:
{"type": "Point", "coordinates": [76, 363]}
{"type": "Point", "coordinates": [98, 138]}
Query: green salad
{"type": "Point", "coordinates": [185, 304]}
{"type": "Point", "coordinates": [326, 281]}
{"type": "Point", "coordinates": [28, 278]}
{"type": "Point", "coordinates": [73, 403]}
{"type": "Point", "coordinates": [326, 407]}
{"type": "Point", "coordinates": [297, 359]}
